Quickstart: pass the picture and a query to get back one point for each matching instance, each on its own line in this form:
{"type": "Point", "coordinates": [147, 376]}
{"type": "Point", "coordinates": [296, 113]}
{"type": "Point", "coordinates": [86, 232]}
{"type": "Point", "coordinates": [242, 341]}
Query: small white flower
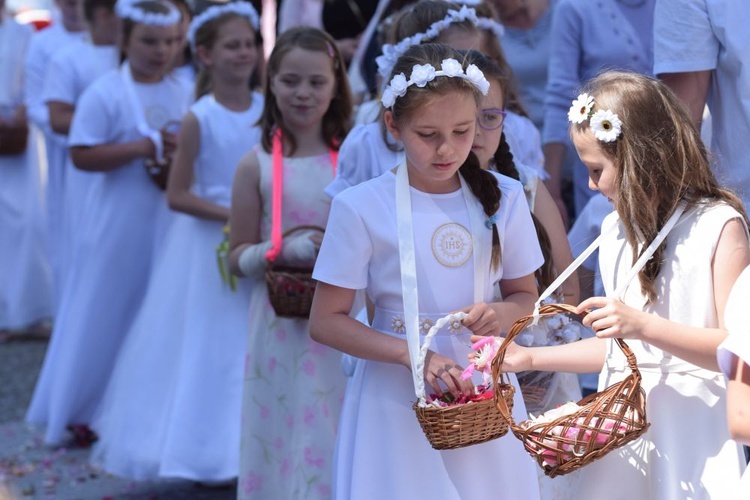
{"type": "Point", "coordinates": [475, 76]}
{"type": "Point", "coordinates": [451, 67]}
{"type": "Point", "coordinates": [455, 325]}
{"type": "Point", "coordinates": [432, 32]}
{"type": "Point", "coordinates": [581, 108]}
{"type": "Point", "coordinates": [421, 74]}
{"type": "Point", "coordinates": [388, 98]}
{"type": "Point", "coordinates": [399, 84]}
{"type": "Point", "coordinates": [606, 125]}
{"type": "Point", "coordinates": [397, 324]}
{"type": "Point", "coordinates": [425, 325]}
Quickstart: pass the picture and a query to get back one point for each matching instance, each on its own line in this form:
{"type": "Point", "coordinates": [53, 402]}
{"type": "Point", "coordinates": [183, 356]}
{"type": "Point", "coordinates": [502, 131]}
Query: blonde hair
{"type": "Point", "coordinates": [659, 157]}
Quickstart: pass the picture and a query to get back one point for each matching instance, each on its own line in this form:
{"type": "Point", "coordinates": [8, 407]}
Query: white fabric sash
{"type": "Point", "coordinates": [407, 257]}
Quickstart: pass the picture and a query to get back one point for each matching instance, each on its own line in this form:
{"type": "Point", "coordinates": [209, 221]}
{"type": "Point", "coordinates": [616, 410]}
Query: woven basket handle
{"type": "Point", "coordinates": [515, 329]}
{"type": "Point", "coordinates": [304, 227]}
{"type": "Point", "coordinates": [421, 393]}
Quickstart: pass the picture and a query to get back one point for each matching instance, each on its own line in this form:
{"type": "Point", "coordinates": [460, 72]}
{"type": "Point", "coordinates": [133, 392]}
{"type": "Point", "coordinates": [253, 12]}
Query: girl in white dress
{"type": "Point", "coordinates": [118, 124]}
{"type": "Point", "coordinates": [733, 357]}
{"type": "Point", "coordinates": [382, 452]}
{"type": "Point", "coordinates": [643, 153]}
{"type": "Point", "coordinates": [368, 151]}
{"type": "Point", "coordinates": [172, 407]}
{"type": "Point", "coordinates": [293, 385]}
{"type": "Point", "coordinates": [25, 278]}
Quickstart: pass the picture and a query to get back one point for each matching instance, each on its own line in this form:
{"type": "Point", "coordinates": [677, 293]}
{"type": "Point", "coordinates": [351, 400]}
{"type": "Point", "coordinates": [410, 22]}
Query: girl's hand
{"type": "Point", "coordinates": [481, 319]}
{"type": "Point", "coordinates": [438, 368]}
{"type": "Point", "coordinates": [610, 318]}
{"type": "Point", "coordinates": [169, 143]}
{"type": "Point", "coordinates": [517, 358]}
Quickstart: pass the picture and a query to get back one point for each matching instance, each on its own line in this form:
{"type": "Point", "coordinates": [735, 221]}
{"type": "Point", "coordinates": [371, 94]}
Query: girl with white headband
{"type": "Point", "coordinates": [368, 151]}
{"type": "Point", "coordinates": [173, 404]}
{"type": "Point", "coordinates": [455, 231]}
{"type": "Point", "coordinates": [119, 124]}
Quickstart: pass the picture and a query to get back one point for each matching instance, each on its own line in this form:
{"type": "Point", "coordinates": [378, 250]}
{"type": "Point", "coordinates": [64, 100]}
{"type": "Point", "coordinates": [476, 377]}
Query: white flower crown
{"type": "Point", "coordinates": [605, 124]}
{"type": "Point", "coordinates": [421, 74]}
{"type": "Point", "coordinates": [127, 9]}
{"type": "Point", "coordinates": [391, 53]}
{"type": "Point", "coordinates": [239, 7]}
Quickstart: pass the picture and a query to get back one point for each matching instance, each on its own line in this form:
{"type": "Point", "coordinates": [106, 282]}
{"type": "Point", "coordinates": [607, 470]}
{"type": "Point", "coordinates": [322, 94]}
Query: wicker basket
{"type": "Point", "coordinates": [463, 425]}
{"type": "Point", "coordinates": [460, 425]}
{"type": "Point", "coordinates": [13, 140]}
{"type": "Point", "coordinates": [291, 289]}
{"type": "Point", "coordinates": [606, 420]}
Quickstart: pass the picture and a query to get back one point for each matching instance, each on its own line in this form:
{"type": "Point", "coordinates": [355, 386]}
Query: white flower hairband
{"type": "Point", "coordinates": [605, 124]}
{"type": "Point", "coordinates": [391, 53]}
{"type": "Point", "coordinates": [239, 7]}
{"type": "Point", "coordinates": [421, 74]}
{"type": "Point", "coordinates": [128, 9]}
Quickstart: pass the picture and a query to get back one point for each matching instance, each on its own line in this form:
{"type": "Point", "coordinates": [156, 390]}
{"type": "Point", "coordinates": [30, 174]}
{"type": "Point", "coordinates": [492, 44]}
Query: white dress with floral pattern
{"type": "Point", "coordinates": [294, 386]}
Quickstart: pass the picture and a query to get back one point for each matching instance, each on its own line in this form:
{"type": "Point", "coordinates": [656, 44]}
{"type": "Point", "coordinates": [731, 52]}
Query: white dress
{"type": "Point", "coordinates": [381, 450]}
{"type": "Point", "coordinates": [71, 70]}
{"type": "Point", "coordinates": [172, 407]}
{"type": "Point", "coordinates": [44, 45]}
{"type": "Point", "coordinates": [112, 259]}
{"type": "Point", "coordinates": [293, 385]}
{"type": "Point", "coordinates": [686, 453]}
{"type": "Point", "coordinates": [25, 277]}
{"type": "Point", "coordinates": [365, 155]}
{"type": "Point", "coordinates": [737, 344]}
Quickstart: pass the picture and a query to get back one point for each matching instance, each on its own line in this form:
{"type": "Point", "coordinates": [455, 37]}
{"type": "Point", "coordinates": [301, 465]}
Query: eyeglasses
{"type": "Point", "coordinates": [491, 119]}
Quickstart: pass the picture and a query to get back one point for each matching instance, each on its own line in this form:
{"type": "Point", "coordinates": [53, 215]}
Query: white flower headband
{"type": "Point", "coordinates": [605, 124]}
{"type": "Point", "coordinates": [391, 53]}
{"type": "Point", "coordinates": [421, 74]}
{"type": "Point", "coordinates": [239, 7]}
{"type": "Point", "coordinates": [127, 9]}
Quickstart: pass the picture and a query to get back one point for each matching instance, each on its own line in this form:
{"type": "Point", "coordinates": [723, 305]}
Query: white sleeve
{"type": "Point", "coordinates": [683, 37]}
{"type": "Point", "coordinates": [59, 80]}
{"type": "Point", "coordinates": [525, 143]}
{"type": "Point", "coordinates": [92, 120]}
{"type": "Point", "coordinates": [521, 253]}
{"type": "Point", "coordinates": [346, 250]}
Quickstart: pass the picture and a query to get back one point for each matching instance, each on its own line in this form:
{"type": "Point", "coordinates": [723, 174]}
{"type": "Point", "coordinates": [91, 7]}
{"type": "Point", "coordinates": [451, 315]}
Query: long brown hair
{"type": "Point", "coordinates": [482, 183]}
{"type": "Point", "coordinates": [337, 119]}
{"type": "Point", "coordinates": [659, 157]}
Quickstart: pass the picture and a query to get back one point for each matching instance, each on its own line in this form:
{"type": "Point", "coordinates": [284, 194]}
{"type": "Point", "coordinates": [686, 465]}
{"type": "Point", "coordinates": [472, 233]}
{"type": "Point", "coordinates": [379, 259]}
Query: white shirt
{"type": "Point", "coordinates": [699, 35]}
{"type": "Point", "coordinates": [14, 42]}
{"type": "Point", "coordinates": [75, 67]}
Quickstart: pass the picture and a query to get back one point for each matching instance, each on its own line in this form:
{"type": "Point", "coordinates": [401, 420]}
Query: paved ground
{"type": "Point", "coordinates": [31, 470]}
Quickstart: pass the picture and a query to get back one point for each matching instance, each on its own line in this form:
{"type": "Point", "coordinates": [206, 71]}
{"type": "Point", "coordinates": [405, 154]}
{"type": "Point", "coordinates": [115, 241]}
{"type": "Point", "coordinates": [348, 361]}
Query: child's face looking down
{"type": "Point", "coordinates": [601, 169]}
{"type": "Point", "coordinates": [304, 87]}
{"type": "Point", "coordinates": [437, 138]}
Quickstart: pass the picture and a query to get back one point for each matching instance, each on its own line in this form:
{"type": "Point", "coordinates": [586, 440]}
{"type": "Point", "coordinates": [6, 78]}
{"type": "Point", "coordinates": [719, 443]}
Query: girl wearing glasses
{"type": "Point", "coordinates": [492, 151]}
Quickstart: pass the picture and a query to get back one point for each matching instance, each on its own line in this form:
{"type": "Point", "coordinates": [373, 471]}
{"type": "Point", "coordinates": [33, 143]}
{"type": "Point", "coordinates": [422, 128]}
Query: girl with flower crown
{"type": "Point", "coordinates": [471, 232]}
{"type": "Point", "coordinates": [119, 124]}
{"type": "Point", "coordinates": [293, 385]}
{"type": "Point", "coordinates": [368, 150]}
{"type": "Point", "coordinates": [643, 153]}
{"type": "Point", "coordinates": [173, 404]}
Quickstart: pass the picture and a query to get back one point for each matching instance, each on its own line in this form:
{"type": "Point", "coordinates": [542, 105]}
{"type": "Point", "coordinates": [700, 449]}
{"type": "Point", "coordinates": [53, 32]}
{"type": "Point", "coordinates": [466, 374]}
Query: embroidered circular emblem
{"type": "Point", "coordinates": [452, 244]}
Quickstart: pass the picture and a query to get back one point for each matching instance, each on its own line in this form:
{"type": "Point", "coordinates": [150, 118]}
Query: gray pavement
{"type": "Point", "coordinates": [29, 469]}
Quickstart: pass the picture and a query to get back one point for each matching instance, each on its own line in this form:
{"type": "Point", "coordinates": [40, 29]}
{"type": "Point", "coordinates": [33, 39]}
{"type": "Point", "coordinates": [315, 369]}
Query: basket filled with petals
{"type": "Point", "coordinates": [449, 422]}
{"type": "Point", "coordinates": [567, 438]}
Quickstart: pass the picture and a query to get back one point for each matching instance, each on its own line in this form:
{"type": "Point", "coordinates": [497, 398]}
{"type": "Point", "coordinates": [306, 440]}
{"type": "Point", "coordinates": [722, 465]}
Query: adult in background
{"type": "Point", "coordinates": [702, 51]}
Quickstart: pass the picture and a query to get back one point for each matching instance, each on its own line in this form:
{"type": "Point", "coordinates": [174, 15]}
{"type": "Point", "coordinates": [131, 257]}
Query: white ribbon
{"type": "Point", "coordinates": [620, 291]}
{"type": "Point", "coordinates": [140, 116]}
{"type": "Point", "coordinates": [407, 256]}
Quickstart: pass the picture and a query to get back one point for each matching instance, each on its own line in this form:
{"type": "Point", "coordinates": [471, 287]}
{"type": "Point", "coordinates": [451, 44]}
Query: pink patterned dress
{"type": "Point", "coordinates": [294, 386]}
